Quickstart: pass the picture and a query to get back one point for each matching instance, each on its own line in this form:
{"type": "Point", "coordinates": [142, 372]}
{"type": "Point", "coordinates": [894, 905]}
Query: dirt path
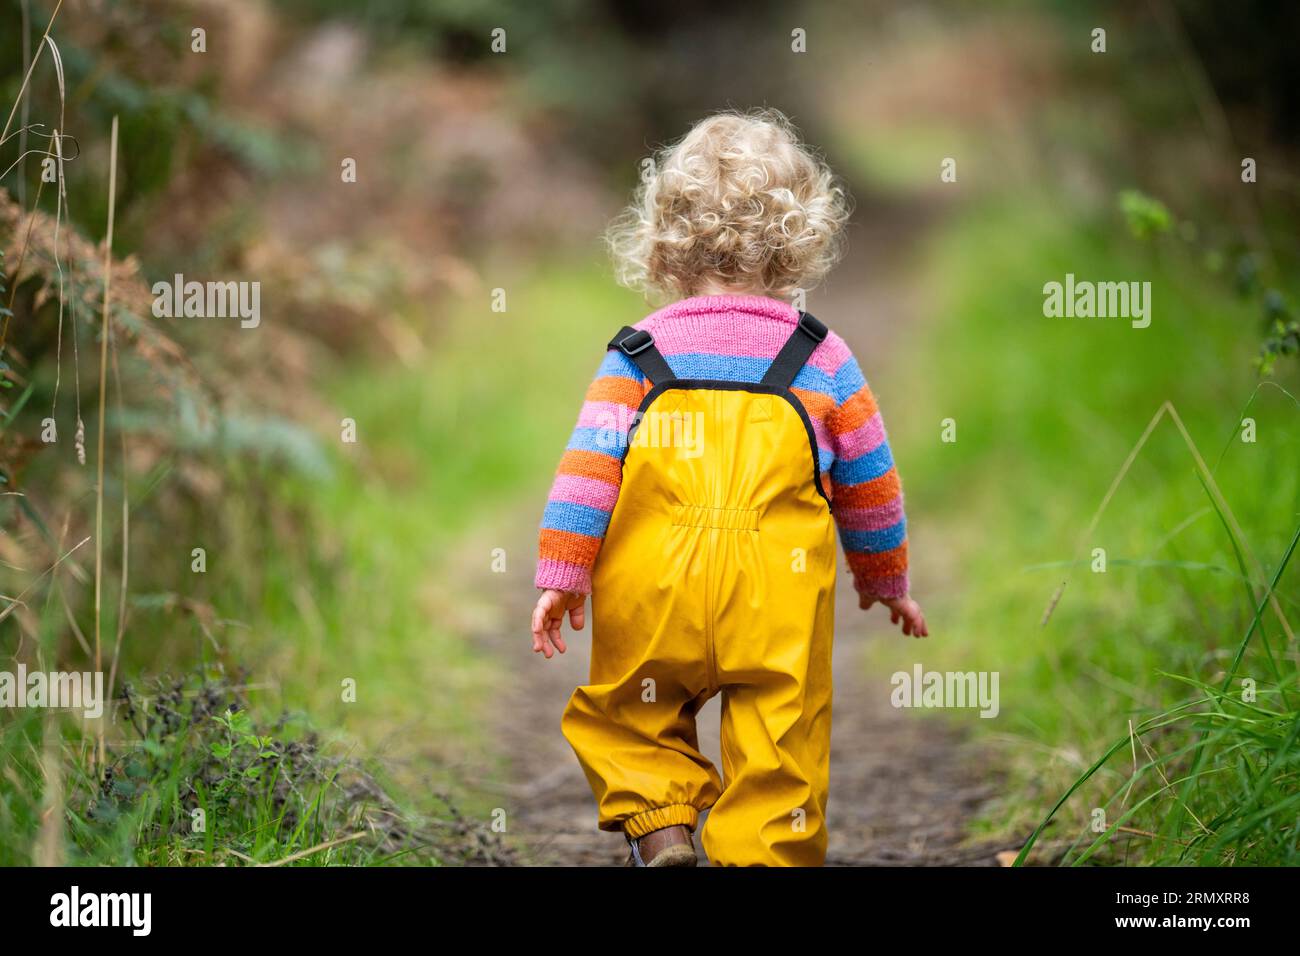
{"type": "Point", "coordinates": [902, 786]}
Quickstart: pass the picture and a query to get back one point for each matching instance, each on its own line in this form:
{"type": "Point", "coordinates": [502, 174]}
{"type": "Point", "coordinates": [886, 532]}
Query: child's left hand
{"type": "Point", "coordinates": [902, 610]}
{"type": "Point", "coordinates": [548, 615]}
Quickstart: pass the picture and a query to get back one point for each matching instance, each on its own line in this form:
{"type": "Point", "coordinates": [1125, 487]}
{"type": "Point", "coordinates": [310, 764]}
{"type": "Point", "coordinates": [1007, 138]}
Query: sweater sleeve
{"type": "Point", "coordinates": [865, 488]}
{"type": "Point", "coordinates": [587, 482]}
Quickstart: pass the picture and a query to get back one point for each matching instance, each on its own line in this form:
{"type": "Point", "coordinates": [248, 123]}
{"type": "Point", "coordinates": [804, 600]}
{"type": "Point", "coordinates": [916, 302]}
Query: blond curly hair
{"type": "Point", "coordinates": [738, 203]}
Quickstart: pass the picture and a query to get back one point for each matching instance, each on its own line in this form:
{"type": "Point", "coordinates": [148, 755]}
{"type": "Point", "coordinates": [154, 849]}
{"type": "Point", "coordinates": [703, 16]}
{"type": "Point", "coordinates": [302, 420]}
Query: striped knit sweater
{"type": "Point", "coordinates": [734, 338]}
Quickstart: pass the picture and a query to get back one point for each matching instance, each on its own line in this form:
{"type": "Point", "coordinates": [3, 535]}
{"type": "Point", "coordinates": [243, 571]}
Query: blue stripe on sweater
{"type": "Point", "coordinates": [617, 364]}
{"type": "Point", "coordinates": [727, 368]}
{"type": "Point", "coordinates": [875, 542]}
{"type": "Point", "coordinates": [848, 380]}
{"type": "Point", "coordinates": [739, 368]}
{"type": "Point", "coordinates": [581, 519]}
{"type": "Point", "coordinates": [607, 441]}
{"type": "Point", "coordinates": [865, 467]}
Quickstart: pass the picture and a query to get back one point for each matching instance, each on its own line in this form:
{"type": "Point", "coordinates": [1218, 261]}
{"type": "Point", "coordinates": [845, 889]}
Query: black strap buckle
{"type": "Point", "coordinates": [638, 341]}
{"type": "Point", "coordinates": [813, 326]}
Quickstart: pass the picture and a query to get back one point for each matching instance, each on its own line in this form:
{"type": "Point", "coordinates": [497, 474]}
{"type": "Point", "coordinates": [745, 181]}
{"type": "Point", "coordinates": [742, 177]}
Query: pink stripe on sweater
{"type": "Point", "coordinates": [825, 440]}
{"type": "Point", "coordinates": [605, 415]}
{"type": "Point", "coordinates": [762, 338]}
{"type": "Point", "coordinates": [584, 491]}
{"type": "Point", "coordinates": [830, 355]}
{"type": "Point", "coordinates": [563, 576]}
{"type": "Point", "coordinates": [865, 438]}
{"type": "Point", "coordinates": [745, 326]}
{"type": "Point", "coordinates": [876, 518]}
{"type": "Point", "coordinates": [748, 304]}
{"type": "Point", "coordinates": [892, 587]}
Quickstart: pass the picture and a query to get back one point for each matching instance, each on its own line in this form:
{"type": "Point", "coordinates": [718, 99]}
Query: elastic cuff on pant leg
{"type": "Point", "coordinates": [677, 814]}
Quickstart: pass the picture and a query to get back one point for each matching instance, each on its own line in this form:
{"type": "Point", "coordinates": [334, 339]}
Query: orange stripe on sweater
{"type": "Point", "coordinates": [885, 564]}
{"type": "Point", "coordinates": [592, 464]}
{"type": "Point", "coordinates": [818, 404]}
{"type": "Point", "coordinates": [569, 546]}
{"type": "Point", "coordinates": [877, 491]}
{"type": "Point", "coordinates": [616, 388]}
{"type": "Point", "coordinates": [855, 411]}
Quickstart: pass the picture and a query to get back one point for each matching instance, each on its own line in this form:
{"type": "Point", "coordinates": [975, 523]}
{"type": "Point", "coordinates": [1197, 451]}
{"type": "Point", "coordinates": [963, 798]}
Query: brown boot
{"type": "Point", "coordinates": [670, 846]}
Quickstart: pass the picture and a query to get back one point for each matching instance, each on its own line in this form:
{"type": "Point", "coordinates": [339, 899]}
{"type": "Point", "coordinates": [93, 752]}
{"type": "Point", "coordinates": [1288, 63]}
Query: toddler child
{"type": "Point", "coordinates": [694, 504]}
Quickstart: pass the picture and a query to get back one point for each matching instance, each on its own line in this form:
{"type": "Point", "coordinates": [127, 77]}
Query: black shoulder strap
{"type": "Point", "coordinates": [639, 346]}
{"type": "Point", "coordinates": [798, 347]}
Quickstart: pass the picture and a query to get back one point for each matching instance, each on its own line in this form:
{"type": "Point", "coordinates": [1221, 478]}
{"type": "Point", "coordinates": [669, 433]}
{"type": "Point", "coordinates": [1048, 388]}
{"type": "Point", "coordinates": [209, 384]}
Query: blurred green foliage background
{"type": "Point", "coordinates": [480, 170]}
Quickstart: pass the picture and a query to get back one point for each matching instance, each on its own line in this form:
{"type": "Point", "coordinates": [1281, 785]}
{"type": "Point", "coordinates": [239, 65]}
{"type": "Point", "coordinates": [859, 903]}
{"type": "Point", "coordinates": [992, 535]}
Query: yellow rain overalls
{"type": "Point", "coordinates": [717, 574]}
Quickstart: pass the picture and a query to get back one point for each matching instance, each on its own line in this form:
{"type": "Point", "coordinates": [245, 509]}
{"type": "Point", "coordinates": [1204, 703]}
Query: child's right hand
{"type": "Point", "coordinates": [548, 615]}
{"type": "Point", "coordinates": [902, 609]}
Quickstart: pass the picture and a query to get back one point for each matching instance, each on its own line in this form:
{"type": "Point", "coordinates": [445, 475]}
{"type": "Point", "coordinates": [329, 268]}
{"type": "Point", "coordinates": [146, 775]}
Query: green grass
{"type": "Point", "coordinates": [1047, 411]}
{"type": "Point", "coordinates": [442, 448]}
{"type": "Point", "coordinates": [317, 575]}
